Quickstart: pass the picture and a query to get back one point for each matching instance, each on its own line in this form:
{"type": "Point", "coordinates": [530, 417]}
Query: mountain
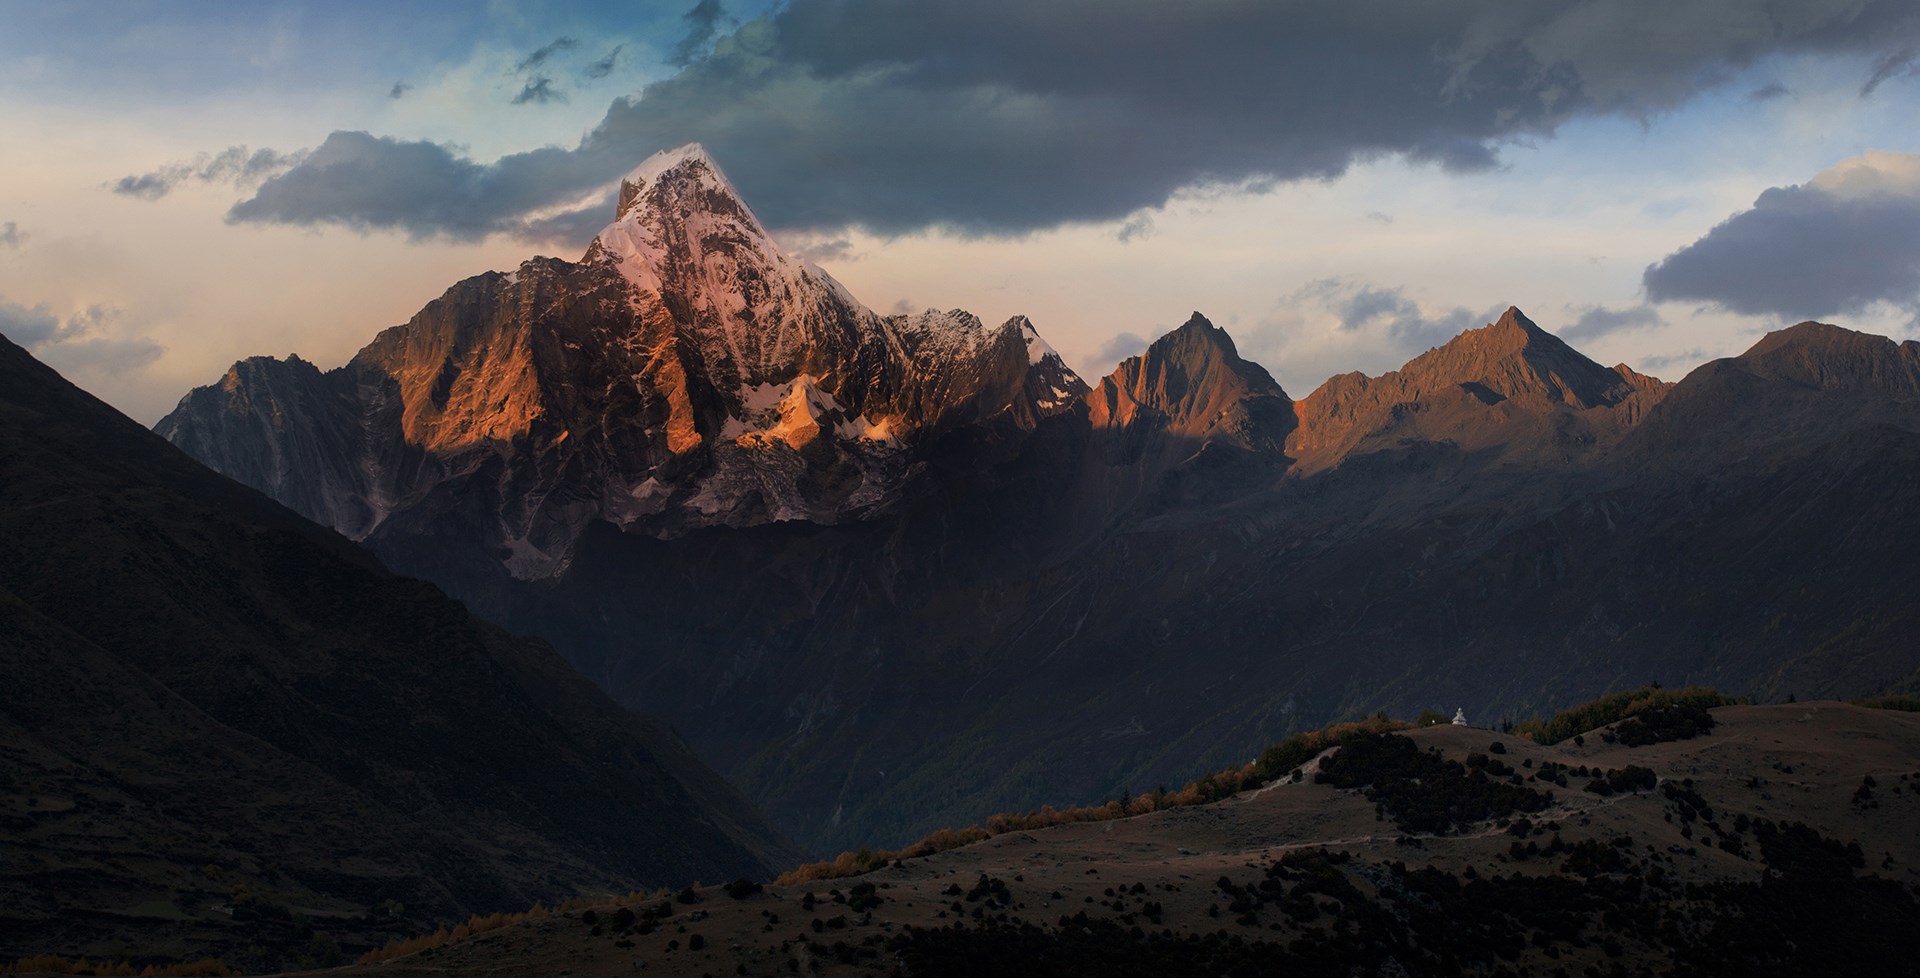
{"type": "Point", "coordinates": [1031, 584]}
{"type": "Point", "coordinates": [227, 729]}
{"type": "Point", "coordinates": [1474, 392]}
{"type": "Point", "coordinates": [686, 372]}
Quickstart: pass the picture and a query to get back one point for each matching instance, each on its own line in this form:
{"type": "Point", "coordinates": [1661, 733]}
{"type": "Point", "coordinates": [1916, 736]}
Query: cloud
{"type": "Point", "coordinates": [703, 25]}
{"type": "Point", "coordinates": [424, 190]}
{"type": "Point", "coordinates": [28, 327]}
{"type": "Point", "coordinates": [1597, 321]}
{"type": "Point", "coordinates": [11, 236]}
{"type": "Point", "coordinates": [399, 90]}
{"type": "Point", "coordinates": [1844, 241]}
{"type": "Point", "coordinates": [1769, 92]}
{"type": "Point", "coordinates": [1655, 364]}
{"type": "Point", "coordinates": [543, 54]}
{"type": "Point", "coordinates": [1362, 307]}
{"type": "Point", "coordinates": [84, 341]}
{"type": "Point", "coordinates": [1137, 226]}
{"type": "Point", "coordinates": [1001, 117]}
{"type": "Point", "coordinates": [1379, 218]}
{"type": "Point", "coordinates": [1895, 65]}
{"type": "Point", "coordinates": [1120, 347]}
{"type": "Point", "coordinates": [819, 248]}
{"type": "Point", "coordinates": [539, 89]}
{"type": "Point", "coordinates": [604, 67]}
{"type": "Point", "coordinates": [233, 165]}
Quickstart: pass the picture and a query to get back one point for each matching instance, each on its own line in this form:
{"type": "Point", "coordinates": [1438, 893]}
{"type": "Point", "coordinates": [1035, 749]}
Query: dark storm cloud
{"type": "Point", "coordinates": [542, 55]}
{"type": "Point", "coordinates": [234, 165]}
{"type": "Point", "coordinates": [1597, 321]}
{"type": "Point", "coordinates": [539, 89]}
{"type": "Point", "coordinates": [703, 26]}
{"type": "Point", "coordinates": [82, 341]}
{"type": "Point", "coordinates": [1006, 116]}
{"type": "Point", "coordinates": [1835, 245]}
{"type": "Point", "coordinates": [604, 67]}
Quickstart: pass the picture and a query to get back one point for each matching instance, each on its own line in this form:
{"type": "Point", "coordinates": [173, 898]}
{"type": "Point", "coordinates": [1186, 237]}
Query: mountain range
{"type": "Point", "coordinates": [893, 572]}
{"type": "Point", "coordinates": [229, 732]}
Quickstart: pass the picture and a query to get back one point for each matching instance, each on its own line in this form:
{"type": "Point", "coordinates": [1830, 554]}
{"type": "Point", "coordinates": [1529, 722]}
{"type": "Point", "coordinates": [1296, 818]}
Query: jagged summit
{"type": "Point", "coordinates": [688, 174]}
{"type": "Point", "coordinates": [653, 167]}
{"type": "Point", "coordinates": [1193, 384]}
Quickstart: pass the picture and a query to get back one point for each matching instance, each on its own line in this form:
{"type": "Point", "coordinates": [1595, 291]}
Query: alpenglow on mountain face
{"type": "Point", "coordinates": [686, 372]}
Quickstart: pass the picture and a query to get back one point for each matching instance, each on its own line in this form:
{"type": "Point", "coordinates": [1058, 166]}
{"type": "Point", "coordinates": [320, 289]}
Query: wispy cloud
{"type": "Point", "coordinates": [1593, 322]}
{"type": "Point", "coordinates": [540, 91]}
{"type": "Point", "coordinates": [233, 165]}
{"type": "Point", "coordinates": [1895, 65]}
{"type": "Point", "coordinates": [83, 341]}
{"type": "Point", "coordinates": [544, 53]}
{"type": "Point", "coordinates": [1119, 347]}
{"type": "Point", "coordinates": [399, 90]}
{"type": "Point", "coordinates": [1363, 307]}
{"type": "Point", "coordinates": [604, 67]}
{"type": "Point", "coordinates": [11, 236]}
{"type": "Point", "coordinates": [1137, 226]}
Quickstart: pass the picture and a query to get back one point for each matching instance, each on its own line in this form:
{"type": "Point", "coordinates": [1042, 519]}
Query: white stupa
{"type": "Point", "coordinates": [1460, 717]}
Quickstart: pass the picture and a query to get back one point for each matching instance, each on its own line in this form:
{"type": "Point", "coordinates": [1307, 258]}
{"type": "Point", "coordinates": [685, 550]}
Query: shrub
{"type": "Point", "coordinates": [1615, 707]}
{"type": "Point", "coordinates": [1681, 721]}
{"type": "Point", "coordinates": [1421, 791]}
{"type": "Point", "coordinates": [1898, 701]}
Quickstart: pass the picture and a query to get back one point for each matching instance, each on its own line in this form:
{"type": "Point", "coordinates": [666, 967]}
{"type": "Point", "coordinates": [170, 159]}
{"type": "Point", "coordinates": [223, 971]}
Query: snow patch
{"type": "Point", "coordinates": [1037, 348]}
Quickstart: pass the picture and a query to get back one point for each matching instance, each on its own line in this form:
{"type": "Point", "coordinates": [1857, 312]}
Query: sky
{"type": "Point", "coordinates": [1339, 184]}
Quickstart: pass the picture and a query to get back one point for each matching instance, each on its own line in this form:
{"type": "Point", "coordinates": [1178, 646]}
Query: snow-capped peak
{"type": "Point", "coordinates": [756, 312]}
{"type": "Point", "coordinates": [651, 168]}
{"type": "Point", "coordinates": [687, 164]}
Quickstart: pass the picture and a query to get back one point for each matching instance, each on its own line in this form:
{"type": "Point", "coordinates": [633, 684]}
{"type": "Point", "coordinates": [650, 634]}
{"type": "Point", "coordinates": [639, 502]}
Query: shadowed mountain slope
{"type": "Point", "coordinates": [226, 728]}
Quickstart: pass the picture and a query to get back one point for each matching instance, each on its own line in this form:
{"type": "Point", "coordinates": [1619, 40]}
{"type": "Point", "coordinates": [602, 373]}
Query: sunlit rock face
{"type": "Point", "coordinates": [685, 372]}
